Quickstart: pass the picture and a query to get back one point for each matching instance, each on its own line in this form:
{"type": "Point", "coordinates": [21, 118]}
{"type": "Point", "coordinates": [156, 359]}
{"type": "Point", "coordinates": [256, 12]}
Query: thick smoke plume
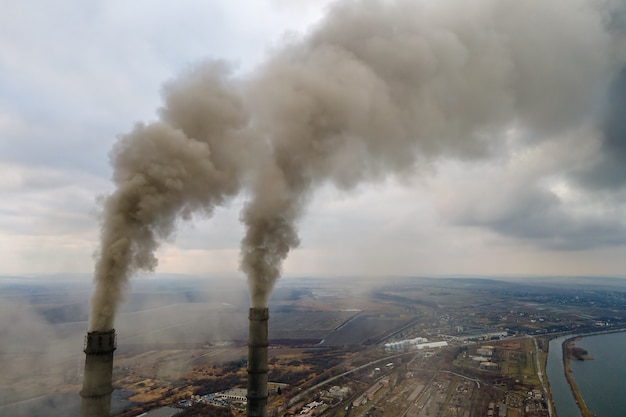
{"type": "Point", "coordinates": [376, 88]}
{"type": "Point", "coordinates": [164, 171]}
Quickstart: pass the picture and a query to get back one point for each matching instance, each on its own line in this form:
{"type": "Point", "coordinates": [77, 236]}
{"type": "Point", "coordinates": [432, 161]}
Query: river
{"type": "Point", "coordinates": [600, 381]}
{"type": "Point", "coordinates": [561, 393]}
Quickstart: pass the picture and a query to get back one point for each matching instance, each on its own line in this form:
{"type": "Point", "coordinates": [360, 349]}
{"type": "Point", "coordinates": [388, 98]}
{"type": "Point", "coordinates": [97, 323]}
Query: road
{"type": "Point", "coordinates": [329, 380]}
{"type": "Point", "coordinates": [541, 379]}
{"type": "Point", "coordinates": [477, 381]}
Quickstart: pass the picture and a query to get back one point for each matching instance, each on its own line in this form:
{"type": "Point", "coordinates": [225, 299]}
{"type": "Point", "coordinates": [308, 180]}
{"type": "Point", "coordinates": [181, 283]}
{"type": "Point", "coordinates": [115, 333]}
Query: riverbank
{"type": "Point", "coordinates": [567, 347]}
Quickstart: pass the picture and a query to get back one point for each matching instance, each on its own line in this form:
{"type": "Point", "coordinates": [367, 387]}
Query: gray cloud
{"type": "Point", "coordinates": [536, 197]}
{"type": "Point", "coordinates": [540, 218]}
{"type": "Point", "coordinates": [609, 169]}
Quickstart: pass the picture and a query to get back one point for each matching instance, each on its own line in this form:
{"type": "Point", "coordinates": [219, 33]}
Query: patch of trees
{"type": "Point", "coordinates": [294, 342]}
{"type": "Point", "coordinates": [286, 376]}
{"type": "Point", "coordinates": [234, 366]}
{"type": "Point", "coordinates": [578, 353]}
{"type": "Point", "coordinates": [224, 382]}
{"type": "Point", "coordinates": [202, 410]}
{"type": "Point", "coordinates": [322, 363]}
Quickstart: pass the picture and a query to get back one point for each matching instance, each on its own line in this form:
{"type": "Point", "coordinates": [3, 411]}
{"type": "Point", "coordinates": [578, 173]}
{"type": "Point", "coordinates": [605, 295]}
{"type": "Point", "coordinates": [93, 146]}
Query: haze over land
{"type": "Point", "coordinates": [179, 335]}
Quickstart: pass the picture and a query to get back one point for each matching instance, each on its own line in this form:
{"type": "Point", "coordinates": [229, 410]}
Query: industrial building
{"type": "Point", "coordinates": [489, 366]}
{"type": "Point", "coordinates": [407, 343]}
{"type": "Point", "coordinates": [233, 394]}
{"type": "Point", "coordinates": [479, 336]}
{"type": "Point", "coordinates": [485, 350]}
{"type": "Point", "coordinates": [432, 345]}
{"type": "Point", "coordinates": [417, 343]}
{"type": "Point", "coordinates": [371, 393]}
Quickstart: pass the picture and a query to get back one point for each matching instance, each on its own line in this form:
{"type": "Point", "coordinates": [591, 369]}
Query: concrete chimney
{"type": "Point", "coordinates": [257, 362]}
{"type": "Point", "coordinates": [97, 381]}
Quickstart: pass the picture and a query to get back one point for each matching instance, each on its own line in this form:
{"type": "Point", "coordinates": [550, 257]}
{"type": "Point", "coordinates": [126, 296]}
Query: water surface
{"type": "Point", "coordinates": [564, 401]}
{"type": "Point", "coordinates": [601, 381]}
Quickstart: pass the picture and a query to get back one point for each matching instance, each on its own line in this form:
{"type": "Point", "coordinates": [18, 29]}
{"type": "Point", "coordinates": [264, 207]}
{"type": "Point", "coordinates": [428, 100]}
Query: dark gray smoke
{"type": "Point", "coordinates": [374, 89]}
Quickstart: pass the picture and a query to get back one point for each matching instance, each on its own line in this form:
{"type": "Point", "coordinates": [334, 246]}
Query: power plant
{"type": "Point", "coordinates": [98, 378]}
{"type": "Point", "coordinates": [257, 362]}
{"type": "Point", "coordinates": [97, 381]}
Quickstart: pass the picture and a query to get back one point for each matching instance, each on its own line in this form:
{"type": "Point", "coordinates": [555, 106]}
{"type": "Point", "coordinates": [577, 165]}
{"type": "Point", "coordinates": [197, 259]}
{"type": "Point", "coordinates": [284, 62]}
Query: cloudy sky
{"type": "Point", "coordinates": [542, 200]}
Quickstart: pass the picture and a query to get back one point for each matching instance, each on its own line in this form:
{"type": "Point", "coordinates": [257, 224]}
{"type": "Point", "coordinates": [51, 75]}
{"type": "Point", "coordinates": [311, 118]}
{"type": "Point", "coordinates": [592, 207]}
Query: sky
{"type": "Point", "coordinates": [546, 200]}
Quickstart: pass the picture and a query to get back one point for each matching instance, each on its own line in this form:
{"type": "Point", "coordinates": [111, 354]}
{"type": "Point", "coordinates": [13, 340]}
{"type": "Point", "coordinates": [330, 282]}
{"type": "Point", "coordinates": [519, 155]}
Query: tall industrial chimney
{"type": "Point", "coordinates": [97, 381]}
{"type": "Point", "coordinates": [257, 362]}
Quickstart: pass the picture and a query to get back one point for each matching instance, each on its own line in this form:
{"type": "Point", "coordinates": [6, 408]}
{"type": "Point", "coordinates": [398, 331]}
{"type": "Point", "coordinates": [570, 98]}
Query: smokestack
{"type": "Point", "coordinates": [257, 362]}
{"type": "Point", "coordinates": [97, 381]}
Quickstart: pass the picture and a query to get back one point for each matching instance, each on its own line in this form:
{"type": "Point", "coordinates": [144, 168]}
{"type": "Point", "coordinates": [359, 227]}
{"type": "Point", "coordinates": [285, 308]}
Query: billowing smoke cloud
{"type": "Point", "coordinates": [164, 171]}
{"type": "Point", "coordinates": [375, 89]}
